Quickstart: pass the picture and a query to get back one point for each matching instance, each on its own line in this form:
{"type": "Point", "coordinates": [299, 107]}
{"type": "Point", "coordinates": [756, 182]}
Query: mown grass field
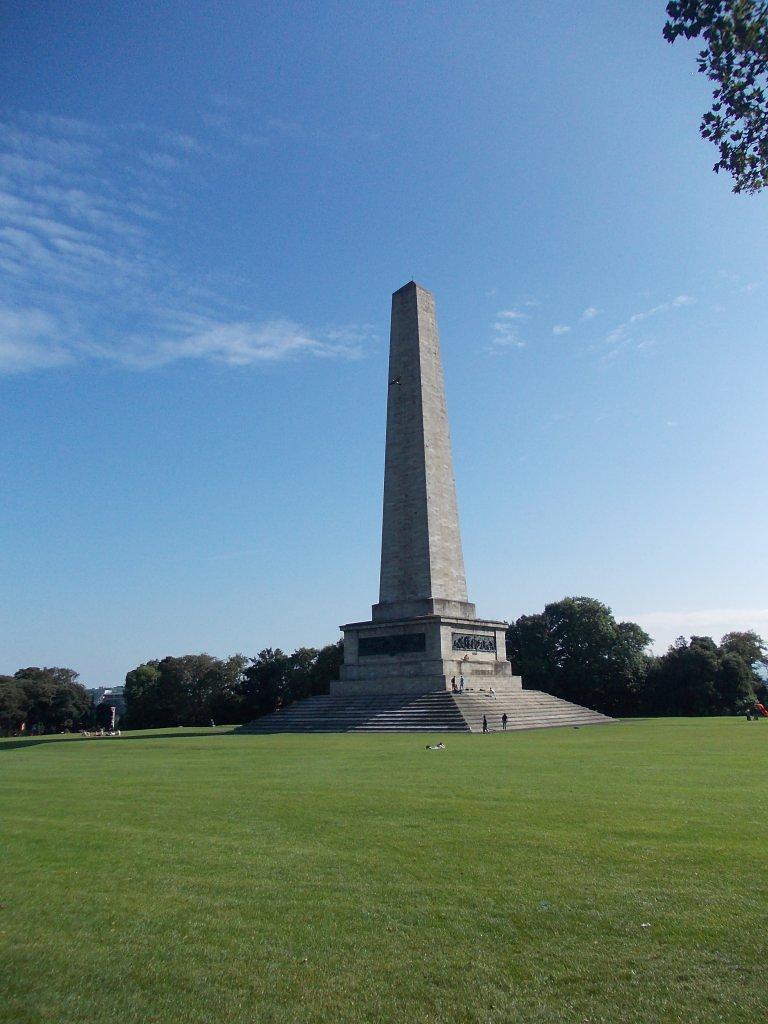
{"type": "Point", "coordinates": [606, 874]}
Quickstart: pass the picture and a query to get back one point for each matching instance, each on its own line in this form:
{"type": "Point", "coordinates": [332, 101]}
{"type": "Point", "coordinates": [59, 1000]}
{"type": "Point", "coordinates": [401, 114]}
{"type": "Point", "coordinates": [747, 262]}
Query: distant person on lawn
{"type": "Point", "coordinates": [504, 721]}
{"type": "Point", "coordinates": [485, 724]}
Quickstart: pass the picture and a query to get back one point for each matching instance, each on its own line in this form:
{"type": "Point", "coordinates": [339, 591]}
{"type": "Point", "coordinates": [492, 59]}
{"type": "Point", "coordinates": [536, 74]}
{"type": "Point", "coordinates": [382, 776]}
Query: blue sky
{"type": "Point", "coordinates": [205, 209]}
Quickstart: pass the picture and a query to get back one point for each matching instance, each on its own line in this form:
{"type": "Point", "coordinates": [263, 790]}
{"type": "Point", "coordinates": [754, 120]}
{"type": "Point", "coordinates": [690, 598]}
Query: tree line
{"type": "Point", "coordinates": [194, 689]}
{"type": "Point", "coordinates": [197, 689]}
{"type": "Point", "coordinates": [37, 700]}
{"type": "Point", "coordinates": [574, 649]}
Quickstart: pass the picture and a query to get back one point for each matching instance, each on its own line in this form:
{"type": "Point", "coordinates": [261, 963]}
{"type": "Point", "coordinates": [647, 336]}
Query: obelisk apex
{"type": "Point", "coordinates": [422, 565]}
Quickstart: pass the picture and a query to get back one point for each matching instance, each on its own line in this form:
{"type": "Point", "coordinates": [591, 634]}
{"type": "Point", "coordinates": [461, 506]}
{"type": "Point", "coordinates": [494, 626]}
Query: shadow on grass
{"type": "Point", "coordinates": [35, 742]}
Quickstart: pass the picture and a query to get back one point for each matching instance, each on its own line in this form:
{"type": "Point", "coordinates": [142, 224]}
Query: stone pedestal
{"type": "Point", "coordinates": [422, 654]}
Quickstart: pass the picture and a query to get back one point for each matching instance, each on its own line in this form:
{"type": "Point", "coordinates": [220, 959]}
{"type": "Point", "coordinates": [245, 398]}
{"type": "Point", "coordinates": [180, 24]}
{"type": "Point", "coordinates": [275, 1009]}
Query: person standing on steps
{"type": "Point", "coordinates": [461, 684]}
{"type": "Point", "coordinates": [504, 721]}
{"type": "Point", "coordinates": [485, 724]}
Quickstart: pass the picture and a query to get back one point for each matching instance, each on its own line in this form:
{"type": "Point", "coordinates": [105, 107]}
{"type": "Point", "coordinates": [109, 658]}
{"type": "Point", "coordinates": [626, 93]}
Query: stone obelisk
{"type": "Point", "coordinates": [423, 632]}
{"type": "Point", "coordinates": [422, 565]}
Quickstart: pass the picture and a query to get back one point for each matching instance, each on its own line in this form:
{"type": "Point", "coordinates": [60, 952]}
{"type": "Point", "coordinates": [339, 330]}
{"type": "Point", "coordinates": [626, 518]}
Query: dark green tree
{"type": "Point", "coordinates": [753, 651]}
{"type": "Point", "coordinates": [225, 699]}
{"type": "Point", "coordinates": [140, 695]}
{"type": "Point", "coordinates": [575, 649]}
{"type": "Point", "coordinates": [734, 684]}
{"type": "Point", "coordinates": [326, 668]}
{"type": "Point", "coordinates": [735, 59]}
{"type": "Point", "coordinates": [300, 671]}
{"type": "Point", "coordinates": [54, 700]}
{"type": "Point", "coordinates": [70, 707]}
{"type": "Point", "coordinates": [684, 680]}
{"type": "Point", "coordinates": [197, 688]}
{"type": "Point", "coordinates": [14, 705]}
{"type": "Point", "coordinates": [190, 690]}
{"type": "Point", "coordinates": [310, 671]}
{"type": "Point", "coordinates": [188, 686]}
{"type": "Point", "coordinates": [265, 686]}
{"type": "Point", "coordinates": [749, 646]}
{"type": "Point", "coordinates": [54, 674]}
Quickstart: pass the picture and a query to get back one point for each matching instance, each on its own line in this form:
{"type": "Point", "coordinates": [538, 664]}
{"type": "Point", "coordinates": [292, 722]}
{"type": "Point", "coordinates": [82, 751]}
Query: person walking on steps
{"type": "Point", "coordinates": [485, 724]}
{"type": "Point", "coordinates": [504, 721]}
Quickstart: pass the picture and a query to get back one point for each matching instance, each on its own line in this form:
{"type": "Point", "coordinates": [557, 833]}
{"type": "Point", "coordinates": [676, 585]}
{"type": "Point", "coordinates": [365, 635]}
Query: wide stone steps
{"type": "Point", "coordinates": [440, 711]}
{"type": "Point", "coordinates": [356, 714]}
{"type": "Point", "coordinates": [527, 709]}
{"type": "Point", "coordinates": [433, 712]}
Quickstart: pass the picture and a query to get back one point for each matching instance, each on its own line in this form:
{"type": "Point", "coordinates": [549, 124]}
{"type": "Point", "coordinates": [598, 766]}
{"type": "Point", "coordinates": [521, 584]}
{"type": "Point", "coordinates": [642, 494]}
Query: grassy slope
{"type": "Point", "coordinates": [175, 877]}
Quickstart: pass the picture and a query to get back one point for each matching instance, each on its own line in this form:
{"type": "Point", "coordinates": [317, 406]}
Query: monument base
{"type": "Point", "coordinates": [424, 654]}
{"type": "Point", "coordinates": [436, 713]}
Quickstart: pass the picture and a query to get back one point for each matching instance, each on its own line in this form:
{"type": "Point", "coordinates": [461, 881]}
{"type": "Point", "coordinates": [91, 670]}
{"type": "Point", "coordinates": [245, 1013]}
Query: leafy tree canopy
{"type": "Point", "coordinates": [748, 645]}
{"type": "Point", "coordinates": [55, 674]}
{"type": "Point", "coordinates": [44, 699]}
{"type": "Point", "coordinates": [698, 677]}
{"type": "Point", "coordinates": [575, 649]}
{"type": "Point", "coordinates": [196, 689]}
{"type": "Point", "coordinates": [735, 59]}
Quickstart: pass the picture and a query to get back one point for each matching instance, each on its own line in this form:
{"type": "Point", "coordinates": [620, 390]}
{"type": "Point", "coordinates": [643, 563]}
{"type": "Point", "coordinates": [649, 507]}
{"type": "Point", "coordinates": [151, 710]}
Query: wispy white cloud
{"type": "Point", "coordinates": [239, 344]}
{"type": "Point", "coordinates": [512, 314]}
{"type": "Point", "coordinates": [162, 161]}
{"type": "Point", "coordinates": [559, 329]}
{"type": "Point", "coordinates": [590, 313]}
{"type": "Point", "coordinates": [85, 273]}
{"type": "Point", "coordinates": [505, 337]}
{"type": "Point", "coordinates": [29, 340]}
{"type": "Point", "coordinates": [745, 289]}
{"type": "Point", "coordinates": [623, 332]}
{"type": "Point", "coordinates": [56, 151]}
{"type": "Point", "coordinates": [173, 140]}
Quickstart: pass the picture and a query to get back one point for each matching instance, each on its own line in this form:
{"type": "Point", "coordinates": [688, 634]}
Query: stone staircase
{"type": "Point", "coordinates": [525, 709]}
{"type": "Point", "coordinates": [428, 712]}
{"type": "Point", "coordinates": [439, 711]}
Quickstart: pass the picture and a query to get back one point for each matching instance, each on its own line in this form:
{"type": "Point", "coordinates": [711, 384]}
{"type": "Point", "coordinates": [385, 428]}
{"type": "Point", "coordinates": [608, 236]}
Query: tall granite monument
{"type": "Point", "coordinates": [423, 632]}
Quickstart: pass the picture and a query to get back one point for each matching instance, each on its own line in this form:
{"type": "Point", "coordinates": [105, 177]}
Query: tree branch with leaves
{"type": "Point", "coordinates": [735, 58]}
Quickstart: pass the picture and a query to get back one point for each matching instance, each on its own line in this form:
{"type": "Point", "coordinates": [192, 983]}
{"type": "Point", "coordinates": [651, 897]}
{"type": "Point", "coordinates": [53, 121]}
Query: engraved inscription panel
{"type": "Point", "coordinates": [404, 643]}
{"type": "Point", "coordinates": [473, 642]}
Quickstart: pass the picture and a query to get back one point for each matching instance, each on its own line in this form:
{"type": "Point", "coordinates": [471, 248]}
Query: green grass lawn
{"type": "Point", "coordinates": [606, 874]}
